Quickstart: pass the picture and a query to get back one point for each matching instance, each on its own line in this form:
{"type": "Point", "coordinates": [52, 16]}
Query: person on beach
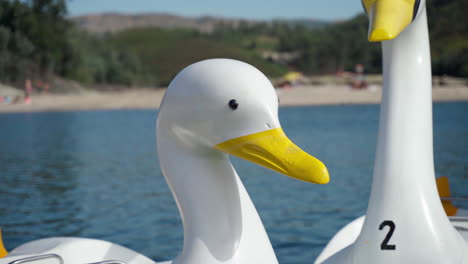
{"type": "Point", "coordinates": [27, 91]}
{"type": "Point", "coordinates": [43, 85]}
{"type": "Point", "coordinates": [359, 79]}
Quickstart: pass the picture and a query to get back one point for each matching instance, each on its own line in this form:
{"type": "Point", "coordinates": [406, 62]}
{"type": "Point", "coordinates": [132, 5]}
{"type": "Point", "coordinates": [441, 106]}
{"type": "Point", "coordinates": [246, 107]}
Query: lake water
{"type": "Point", "coordinates": [95, 174]}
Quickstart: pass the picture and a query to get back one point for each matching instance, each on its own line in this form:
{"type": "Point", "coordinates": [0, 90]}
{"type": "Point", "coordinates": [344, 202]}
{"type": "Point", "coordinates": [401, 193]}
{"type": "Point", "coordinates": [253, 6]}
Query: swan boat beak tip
{"type": "Point", "coordinates": [388, 18]}
{"type": "Point", "coordinates": [3, 251]}
{"type": "Point", "coordinates": [274, 150]}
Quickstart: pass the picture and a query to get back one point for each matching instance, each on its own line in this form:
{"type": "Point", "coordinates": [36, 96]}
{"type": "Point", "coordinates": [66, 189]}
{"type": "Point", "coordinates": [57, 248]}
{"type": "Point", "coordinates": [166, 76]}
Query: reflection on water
{"type": "Point", "coordinates": [95, 174]}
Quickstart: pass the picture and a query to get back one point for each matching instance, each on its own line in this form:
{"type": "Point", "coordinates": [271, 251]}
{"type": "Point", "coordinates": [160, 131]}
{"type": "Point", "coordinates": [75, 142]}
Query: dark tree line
{"type": "Point", "coordinates": [36, 41]}
{"type": "Point", "coordinates": [341, 45]}
{"type": "Point", "coordinates": [448, 30]}
{"type": "Point", "coordinates": [33, 38]}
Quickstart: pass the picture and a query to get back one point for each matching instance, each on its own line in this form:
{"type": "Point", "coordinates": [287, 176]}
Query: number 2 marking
{"type": "Point", "coordinates": [385, 245]}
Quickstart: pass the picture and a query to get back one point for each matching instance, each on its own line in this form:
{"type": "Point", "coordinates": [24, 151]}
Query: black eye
{"type": "Point", "coordinates": [416, 8]}
{"type": "Point", "coordinates": [233, 104]}
{"type": "Point", "coordinates": [364, 7]}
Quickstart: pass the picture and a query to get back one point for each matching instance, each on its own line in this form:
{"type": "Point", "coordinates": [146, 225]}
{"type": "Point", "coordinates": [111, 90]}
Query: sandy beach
{"type": "Point", "coordinates": [151, 98]}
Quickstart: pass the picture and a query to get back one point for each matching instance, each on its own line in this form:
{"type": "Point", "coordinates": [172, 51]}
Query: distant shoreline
{"type": "Point", "coordinates": [150, 99]}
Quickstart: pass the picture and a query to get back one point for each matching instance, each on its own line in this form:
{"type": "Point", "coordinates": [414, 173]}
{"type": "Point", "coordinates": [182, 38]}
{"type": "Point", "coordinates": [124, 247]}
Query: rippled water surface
{"type": "Point", "coordinates": [95, 174]}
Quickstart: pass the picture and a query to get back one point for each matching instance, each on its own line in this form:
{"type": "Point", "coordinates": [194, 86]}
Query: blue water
{"type": "Point", "coordinates": [95, 174]}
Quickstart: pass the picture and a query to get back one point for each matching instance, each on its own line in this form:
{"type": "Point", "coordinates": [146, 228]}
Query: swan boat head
{"type": "Point", "coordinates": [211, 109]}
{"type": "Point", "coordinates": [388, 18]}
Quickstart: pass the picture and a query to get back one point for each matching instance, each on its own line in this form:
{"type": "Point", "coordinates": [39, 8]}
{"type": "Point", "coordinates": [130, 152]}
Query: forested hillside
{"type": "Point", "coordinates": [341, 45]}
{"type": "Point", "coordinates": [448, 27]}
{"type": "Point", "coordinates": [165, 52]}
{"type": "Point", "coordinates": [38, 41]}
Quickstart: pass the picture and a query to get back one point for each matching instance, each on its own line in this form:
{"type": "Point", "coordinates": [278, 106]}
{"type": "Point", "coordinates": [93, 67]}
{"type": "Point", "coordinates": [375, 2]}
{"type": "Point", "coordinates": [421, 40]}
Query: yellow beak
{"type": "Point", "coordinates": [388, 18]}
{"type": "Point", "coordinates": [3, 251]}
{"type": "Point", "coordinates": [274, 150]}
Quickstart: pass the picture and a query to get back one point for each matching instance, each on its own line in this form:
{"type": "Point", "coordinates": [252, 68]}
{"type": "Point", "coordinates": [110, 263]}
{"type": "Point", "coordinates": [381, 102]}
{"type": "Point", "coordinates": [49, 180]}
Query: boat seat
{"type": "Point", "coordinates": [109, 262]}
{"type": "Point", "coordinates": [47, 258]}
{"type": "Point", "coordinates": [54, 257]}
{"type": "Point", "coordinates": [72, 250]}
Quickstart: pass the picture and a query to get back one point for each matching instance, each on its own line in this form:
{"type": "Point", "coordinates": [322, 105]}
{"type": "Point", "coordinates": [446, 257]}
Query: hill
{"type": "Point", "coordinates": [112, 22]}
{"type": "Point", "coordinates": [165, 52]}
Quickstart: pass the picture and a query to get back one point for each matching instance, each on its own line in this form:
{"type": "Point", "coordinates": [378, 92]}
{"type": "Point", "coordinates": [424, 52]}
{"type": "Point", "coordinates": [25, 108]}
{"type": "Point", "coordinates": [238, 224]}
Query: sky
{"type": "Point", "coordinates": [330, 10]}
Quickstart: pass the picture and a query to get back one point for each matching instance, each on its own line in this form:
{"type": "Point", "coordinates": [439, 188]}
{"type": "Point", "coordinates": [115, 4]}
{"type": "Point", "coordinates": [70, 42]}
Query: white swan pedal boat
{"type": "Point", "coordinates": [211, 109]}
{"type": "Point", "coordinates": [405, 220]}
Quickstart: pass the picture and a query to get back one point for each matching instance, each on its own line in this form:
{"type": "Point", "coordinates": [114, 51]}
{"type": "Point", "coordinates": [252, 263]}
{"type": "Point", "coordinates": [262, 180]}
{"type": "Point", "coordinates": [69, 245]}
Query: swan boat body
{"type": "Point", "coordinates": [211, 109]}
{"type": "Point", "coordinates": [405, 221]}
